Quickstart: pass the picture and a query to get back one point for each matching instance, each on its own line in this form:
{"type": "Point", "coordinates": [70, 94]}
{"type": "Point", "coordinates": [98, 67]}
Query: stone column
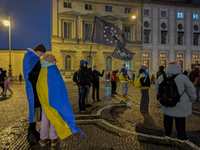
{"type": "Point", "coordinates": [188, 39]}
{"type": "Point", "coordinates": [55, 17]}
{"type": "Point", "coordinates": [172, 34]}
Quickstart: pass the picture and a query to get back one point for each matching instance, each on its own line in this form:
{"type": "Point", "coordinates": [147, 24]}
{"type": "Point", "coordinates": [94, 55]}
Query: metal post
{"type": "Point", "coordinates": [10, 66]}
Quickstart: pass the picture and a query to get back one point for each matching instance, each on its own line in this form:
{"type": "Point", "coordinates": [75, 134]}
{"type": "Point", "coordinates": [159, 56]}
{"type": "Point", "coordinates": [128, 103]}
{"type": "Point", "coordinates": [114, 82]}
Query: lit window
{"type": "Point", "coordinates": [67, 5]}
{"type": "Point", "coordinates": [163, 63]}
{"type": "Point", "coordinates": [195, 16]}
{"type": "Point", "coordinates": [108, 8]}
{"type": "Point", "coordinates": [88, 7]}
{"type": "Point", "coordinates": [146, 12]}
{"type": "Point", "coordinates": [127, 10]}
{"type": "Point", "coordinates": [195, 62]}
{"type": "Point", "coordinates": [179, 15]}
{"type": "Point", "coordinates": [163, 13]}
{"type": "Point", "coordinates": [146, 55]}
{"type": "Point", "coordinates": [163, 55]}
{"type": "Point", "coordinates": [146, 63]}
{"type": "Point", "coordinates": [127, 65]}
{"type": "Point", "coordinates": [179, 55]}
{"type": "Point", "coordinates": [195, 56]}
{"type": "Point", "coordinates": [180, 62]}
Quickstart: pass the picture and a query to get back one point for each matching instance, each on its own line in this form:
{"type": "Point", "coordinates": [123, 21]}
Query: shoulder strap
{"type": "Point", "coordinates": [174, 76]}
{"type": "Point", "coordinates": [164, 76]}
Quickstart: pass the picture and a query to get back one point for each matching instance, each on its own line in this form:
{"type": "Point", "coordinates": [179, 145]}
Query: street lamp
{"type": "Point", "coordinates": [7, 23]}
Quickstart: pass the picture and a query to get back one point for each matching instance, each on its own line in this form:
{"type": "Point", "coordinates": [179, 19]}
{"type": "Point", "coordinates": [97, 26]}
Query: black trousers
{"type": "Point", "coordinates": [180, 126]}
{"type": "Point", "coordinates": [2, 85]}
{"type": "Point", "coordinates": [95, 86]}
{"type": "Point", "coordinates": [114, 86]}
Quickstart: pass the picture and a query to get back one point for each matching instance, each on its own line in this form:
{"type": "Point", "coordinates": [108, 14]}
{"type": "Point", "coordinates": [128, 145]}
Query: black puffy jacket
{"type": "Point", "coordinates": [84, 76]}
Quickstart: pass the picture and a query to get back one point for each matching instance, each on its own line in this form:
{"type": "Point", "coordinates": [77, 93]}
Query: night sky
{"type": "Point", "coordinates": [30, 23]}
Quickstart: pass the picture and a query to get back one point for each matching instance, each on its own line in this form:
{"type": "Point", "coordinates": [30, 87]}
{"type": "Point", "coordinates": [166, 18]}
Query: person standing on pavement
{"type": "Point", "coordinates": [145, 85]}
{"type": "Point", "coordinates": [84, 82]}
{"type": "Point", "coordinates": [2, 80]}
{"type": "Point", "coordinates": [20, 77]}
{"type": "Point", "coordinates": [114, 80]}
{"type": "Point", "coordinates": [95, 83]}
{"type": "Point", "coordinates": [182, 108]}
{"type": "Point", "coordinates": [31, 70]}
{"type": "Point", "coordinates": [57, 115]}
{"type": "Point", "coordinates": [160, 72]}
{"type": "Point", "coordinates": [6, 85]}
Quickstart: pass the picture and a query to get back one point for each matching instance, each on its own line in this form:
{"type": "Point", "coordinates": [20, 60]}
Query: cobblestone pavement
{"type": "Point", "coordinates": [109, 126]}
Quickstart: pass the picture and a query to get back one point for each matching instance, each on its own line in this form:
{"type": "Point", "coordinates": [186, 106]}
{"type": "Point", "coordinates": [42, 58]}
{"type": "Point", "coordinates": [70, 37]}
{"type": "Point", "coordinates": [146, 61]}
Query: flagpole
{"type": "Point", "coordinates": [92, 37]}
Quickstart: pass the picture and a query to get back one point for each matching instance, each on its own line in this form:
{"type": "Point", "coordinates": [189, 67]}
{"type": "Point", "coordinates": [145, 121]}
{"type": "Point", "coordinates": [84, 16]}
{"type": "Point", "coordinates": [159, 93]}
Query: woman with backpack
{"type": "Point", "coordinates": [183, 108]}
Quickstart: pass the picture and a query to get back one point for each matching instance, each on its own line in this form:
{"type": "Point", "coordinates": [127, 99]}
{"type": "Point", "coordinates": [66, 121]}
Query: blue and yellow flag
{"type": "Point", "coordinates": [54, 99]}
{"type": "Point", "coordinates": [29, 61]}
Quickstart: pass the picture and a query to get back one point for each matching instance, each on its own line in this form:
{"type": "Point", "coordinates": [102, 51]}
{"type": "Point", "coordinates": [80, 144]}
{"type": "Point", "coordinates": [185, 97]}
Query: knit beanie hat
{"type": "Point", "coordinates": [40, 47]}
{"type": "Point", "coordinates": [48, 57]}
{"type": "Point", "coordinates": [144, 68]}
{"type": "Point", "coordinates": [82, 62]}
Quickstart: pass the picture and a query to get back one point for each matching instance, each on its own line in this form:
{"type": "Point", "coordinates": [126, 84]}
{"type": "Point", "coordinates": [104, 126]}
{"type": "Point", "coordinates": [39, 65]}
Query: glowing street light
{"type": "Point", "coordinates": [7, 23]}
{"type": "Point", "coordinates": [133, 17]}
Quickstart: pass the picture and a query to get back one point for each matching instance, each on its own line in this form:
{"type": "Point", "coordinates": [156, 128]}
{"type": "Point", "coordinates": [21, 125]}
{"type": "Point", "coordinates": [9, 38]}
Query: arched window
{"type": "Point", "coordinates": [68, 62]}
{"type": "Point", "coordinates": [108, 63]}
{"type": "Point", "coordinates": [89, 61]}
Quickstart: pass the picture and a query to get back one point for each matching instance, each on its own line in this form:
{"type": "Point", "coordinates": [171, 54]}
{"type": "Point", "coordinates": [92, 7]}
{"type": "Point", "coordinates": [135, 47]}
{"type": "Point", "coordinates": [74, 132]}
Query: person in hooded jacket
{"type": "Point", "coordinates": [95, 83]}
{"type": "Point", "coordinates": [160, 72]}
{"type": "Point", "coordinates": [145, 84]}
{"type": "Point", "coordinates": [84, 81]}
{"type": "Point", "coordinates": [182, 108]}
{"type": "Point", "coordinates": [114, 80]}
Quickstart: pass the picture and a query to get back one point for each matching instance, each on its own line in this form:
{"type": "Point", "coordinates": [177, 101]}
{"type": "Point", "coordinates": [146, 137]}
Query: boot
{"type": "Point", "coordinates": [32, 139]}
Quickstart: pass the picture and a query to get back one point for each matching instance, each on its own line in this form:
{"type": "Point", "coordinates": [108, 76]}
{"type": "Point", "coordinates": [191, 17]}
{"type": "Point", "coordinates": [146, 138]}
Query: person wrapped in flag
{"type": "Point", "coordinates": [57, 115]}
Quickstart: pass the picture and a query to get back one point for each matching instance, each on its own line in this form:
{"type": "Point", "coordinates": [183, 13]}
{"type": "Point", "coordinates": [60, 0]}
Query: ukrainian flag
{"type": "Point", "coordinates": [54, 99]}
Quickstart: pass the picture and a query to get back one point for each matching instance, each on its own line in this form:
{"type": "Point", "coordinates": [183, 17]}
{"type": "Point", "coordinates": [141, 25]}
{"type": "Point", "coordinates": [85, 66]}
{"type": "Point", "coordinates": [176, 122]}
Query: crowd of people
{"type": "Point", "coordinates": [42, 78]}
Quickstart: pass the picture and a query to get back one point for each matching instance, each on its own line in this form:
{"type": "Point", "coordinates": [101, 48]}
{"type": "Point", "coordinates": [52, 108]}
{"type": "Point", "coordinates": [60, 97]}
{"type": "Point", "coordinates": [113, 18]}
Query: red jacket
{"type": "Point", "coordinates": [113, 76]}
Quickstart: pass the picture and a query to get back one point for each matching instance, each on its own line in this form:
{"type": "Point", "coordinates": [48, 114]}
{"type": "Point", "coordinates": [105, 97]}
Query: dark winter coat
{"type": "Point", "coordinates": [160, 72]}
{"type": "Point", "coordinates": [144, 81]}
{"type": "Point", "coordinates": [33, 76]}
{"type": "Point", "coordinates": [96, 74]}
{"type": "Point", "coordinates": [84, 76]}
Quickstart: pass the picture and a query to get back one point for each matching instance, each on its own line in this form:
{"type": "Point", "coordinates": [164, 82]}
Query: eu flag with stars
{"type": "Point", "coordinates": [107, 33]}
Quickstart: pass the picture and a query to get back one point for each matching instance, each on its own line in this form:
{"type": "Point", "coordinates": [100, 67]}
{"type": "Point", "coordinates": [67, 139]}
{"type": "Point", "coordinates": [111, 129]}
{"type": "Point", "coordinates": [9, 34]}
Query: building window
{"type": "Point", "coordinates": [163, 55]}
{"type": "Point", "coordinates": [67, 5]}
{"type": "Point", "coordinates": [180, 62]}
{"type": "Point", "coordinates": [88, 31]}
{"type": "Point", "coordinates": [146, 55]}
{"type": "Point", "coordinates": [146, 12]}
{"type": "Point", "coordinates": [163, 25]}
{"type": "Point", "coordinates": [68, 62]}
{"type": "Point", "coordinates": [88, 7]}
{"type": "Point", "coordinates": [108, 9]}
{"type": "Point", "coordinates": [163, 14]}
{"type": "Point", "coordinates": [180, 26]}
{"type": "Point", "coordinates": [128, 66]}
{"type": "Point", "coordinates": [180, 38]}
{"type": "Point", "coordinates": [127, 33]}
{"type": "Point", "coordinates": [195, 16]}
{"type": "Point", "coordinates": [196, 39]}
{"type": "Point", "coordinates": [163, 63]}
{"type": "Point", "coordinates": [146, 24]}
{"type": "Point", "coordinates": [195, 62]}
{"type": "Point", "coordinates": [146, 36]}
{"type": "Point", "coordinates": [89, 60]}
{"type": "Point", "coordinates": [67, 30]}
{"type": "Point", "coordinates": [127, 10]}
{"type": "Point", "coordinates": [179, 15]}
{"type": "Point", "coordinates": [108, 63]}
{"type": "Point", "coordinates": [146, 62]}
{"type": "Point", "coordinates": [195, 56]}
{"type": "Point", "coordinates": [179, 55]}
{"type": "Point", "coordinates": [196, 27]}
{"type": "Point", "coordinates": [163, 37]}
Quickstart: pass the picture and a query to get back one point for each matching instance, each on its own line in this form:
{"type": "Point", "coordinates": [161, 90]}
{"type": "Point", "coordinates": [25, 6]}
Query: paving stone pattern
{"type": "Point", "coordinates": [109, 126]}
